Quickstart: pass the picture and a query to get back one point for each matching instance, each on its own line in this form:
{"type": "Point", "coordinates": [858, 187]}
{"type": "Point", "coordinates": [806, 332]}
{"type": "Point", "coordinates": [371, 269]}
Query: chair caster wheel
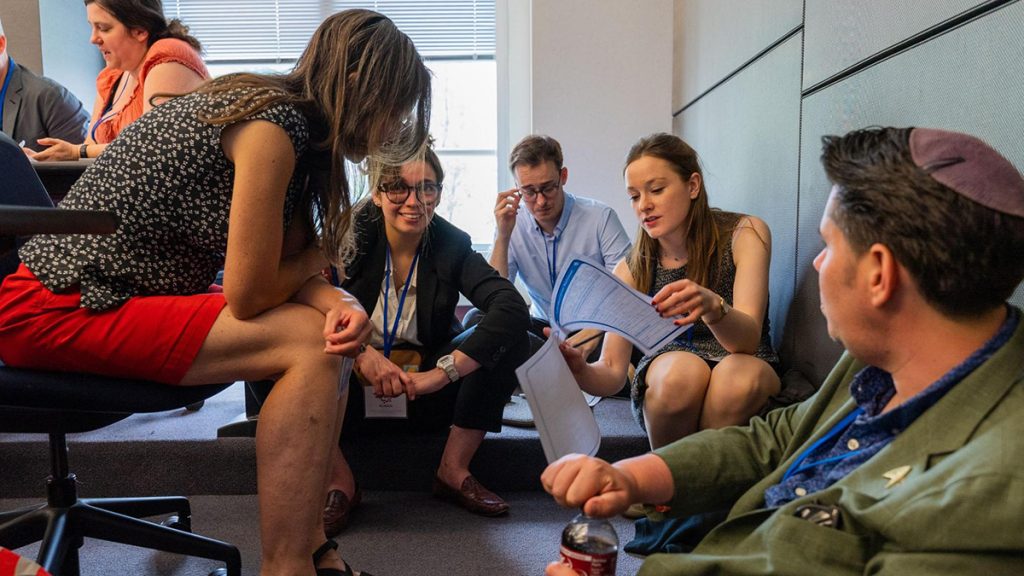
{"type": "Point", "coordinates": [176, 522]}
{"type": "Point", "coordinates": [195, 406]}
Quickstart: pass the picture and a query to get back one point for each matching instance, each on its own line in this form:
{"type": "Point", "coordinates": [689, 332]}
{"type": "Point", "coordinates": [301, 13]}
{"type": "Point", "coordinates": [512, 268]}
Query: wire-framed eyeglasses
{"type": "Point", "coordinates": [546, 190]}
{"type": "Point", "coordinates": [398, 192]}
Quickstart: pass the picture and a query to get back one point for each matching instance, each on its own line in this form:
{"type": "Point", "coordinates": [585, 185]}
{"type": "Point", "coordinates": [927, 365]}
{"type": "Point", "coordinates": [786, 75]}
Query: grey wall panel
{"type": "Point", "coordinates": [840, 33]}
{"type": "Point", "coordinates": [746, 132]}
{"type": "Point", "coordinates": [715, 37]}
{"type": "Point", "coordinates": [21, 26]}
{"type": "Point", "coordinates": [967, 80]}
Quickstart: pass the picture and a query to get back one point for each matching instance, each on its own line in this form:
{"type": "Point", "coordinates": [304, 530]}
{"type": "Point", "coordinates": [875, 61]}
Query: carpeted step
{"type": "Point", "coordinates": [178, 452]}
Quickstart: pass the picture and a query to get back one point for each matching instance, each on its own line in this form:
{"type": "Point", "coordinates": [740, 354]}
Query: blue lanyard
{"type": "Point", "coordinates": [798, 466]}
{"type": "Point", "coordinates": [123, 82]}
{"type": "Point", "coordinates": [100, 120]}
{"type": "Point", "coordinates": [389, 338]}
{"type": "Point", "coordinates": [3, 91]}
{"type": "Point", "coordinates": [553, 260]}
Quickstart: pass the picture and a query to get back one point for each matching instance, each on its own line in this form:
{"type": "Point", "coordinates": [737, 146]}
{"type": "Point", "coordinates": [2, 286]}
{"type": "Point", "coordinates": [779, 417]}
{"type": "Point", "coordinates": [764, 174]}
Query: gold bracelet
{"type": "Point", "coordinates": [723, 307]}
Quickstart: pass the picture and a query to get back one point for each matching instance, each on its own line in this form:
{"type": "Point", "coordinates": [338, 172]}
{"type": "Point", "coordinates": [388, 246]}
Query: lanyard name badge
{"type": "Point", "coordinates": [3, 91]}
{"type": "Point", "coordinates": [387, 407]}
{"type": "Point", "coordinates": [111, 99]}
{"type": "Point", "coordinates": [552, 260]}
{"type": "Point", "coordinates": [799, 466]}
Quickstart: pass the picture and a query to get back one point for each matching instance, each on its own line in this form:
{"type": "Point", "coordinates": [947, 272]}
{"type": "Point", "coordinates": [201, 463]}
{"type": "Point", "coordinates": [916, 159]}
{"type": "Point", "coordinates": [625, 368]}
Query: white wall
{"type": "Point", "coordinates": [601, 78]}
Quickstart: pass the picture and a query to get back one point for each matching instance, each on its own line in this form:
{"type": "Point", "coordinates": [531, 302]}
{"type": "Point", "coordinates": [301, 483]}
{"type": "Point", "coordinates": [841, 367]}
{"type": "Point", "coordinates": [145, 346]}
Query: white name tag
{"type": "Point", "coordinates": [384, 407]}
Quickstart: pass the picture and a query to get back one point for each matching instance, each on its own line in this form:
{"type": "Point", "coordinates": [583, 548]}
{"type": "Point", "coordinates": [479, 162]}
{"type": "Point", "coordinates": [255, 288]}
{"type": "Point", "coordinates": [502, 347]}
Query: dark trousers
{"type": "Point", "coordinates": [535, 333]}
{"type": "Point", "coordinates": [475, 401]}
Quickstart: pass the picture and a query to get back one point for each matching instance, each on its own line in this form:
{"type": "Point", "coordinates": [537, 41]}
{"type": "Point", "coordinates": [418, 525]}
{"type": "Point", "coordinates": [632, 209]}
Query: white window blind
{"type": "Point", "coordinates": [278, 30]}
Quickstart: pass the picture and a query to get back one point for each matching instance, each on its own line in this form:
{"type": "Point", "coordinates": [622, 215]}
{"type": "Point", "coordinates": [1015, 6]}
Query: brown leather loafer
{"type": "Point", "coordinates": [338, 510]}
{"type": "Point", "coordinates": [472, 496]}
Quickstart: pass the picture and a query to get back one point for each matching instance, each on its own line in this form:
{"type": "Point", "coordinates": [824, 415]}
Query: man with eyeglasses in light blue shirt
{"type": "Point", "coordinates": [555, 228]}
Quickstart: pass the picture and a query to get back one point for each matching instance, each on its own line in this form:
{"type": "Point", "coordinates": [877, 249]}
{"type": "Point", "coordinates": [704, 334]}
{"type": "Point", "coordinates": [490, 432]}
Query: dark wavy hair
{"type": "Point", "coordinates": [965, 258]}
{"type": "Point", "coordinates": [366, 93]}
{"type": "Point", "coordinates": [149, 16]}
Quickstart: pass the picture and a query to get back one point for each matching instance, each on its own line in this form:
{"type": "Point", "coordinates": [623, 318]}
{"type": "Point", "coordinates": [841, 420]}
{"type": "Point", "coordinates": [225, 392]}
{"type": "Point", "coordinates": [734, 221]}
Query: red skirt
{"type": "Point", "coordinates": [148, 337]}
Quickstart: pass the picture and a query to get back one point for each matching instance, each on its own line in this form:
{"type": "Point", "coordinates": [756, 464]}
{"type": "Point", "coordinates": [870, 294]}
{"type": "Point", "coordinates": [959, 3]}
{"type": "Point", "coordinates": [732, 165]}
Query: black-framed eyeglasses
{"type": "Point", "coordinates": [398, 192]}
{"type": "Point", "coordinates": [546, 189]}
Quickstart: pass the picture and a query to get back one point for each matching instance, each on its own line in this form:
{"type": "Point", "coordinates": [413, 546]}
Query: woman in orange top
{"type": "Point", "coordinates": [146, 55]}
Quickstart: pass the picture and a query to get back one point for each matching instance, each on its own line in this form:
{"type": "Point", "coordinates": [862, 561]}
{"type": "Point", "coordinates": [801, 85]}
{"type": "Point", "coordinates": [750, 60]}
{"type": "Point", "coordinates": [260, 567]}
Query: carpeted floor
{"type": "Point", "coordinates": [392, 534]}
{"type": "Point", "coordinates": [399, 529]}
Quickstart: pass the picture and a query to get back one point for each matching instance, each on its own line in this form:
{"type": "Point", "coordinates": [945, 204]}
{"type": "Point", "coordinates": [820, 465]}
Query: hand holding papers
{"type": "Point", "coordinates": [587, 295]}
{"type": "Point", "coordinates": [564, 421]}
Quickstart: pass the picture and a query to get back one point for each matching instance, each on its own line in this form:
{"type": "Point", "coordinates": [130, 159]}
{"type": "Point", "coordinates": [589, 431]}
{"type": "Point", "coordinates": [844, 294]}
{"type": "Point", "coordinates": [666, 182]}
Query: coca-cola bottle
{"type": "Point", "coordinates": [590, 546]}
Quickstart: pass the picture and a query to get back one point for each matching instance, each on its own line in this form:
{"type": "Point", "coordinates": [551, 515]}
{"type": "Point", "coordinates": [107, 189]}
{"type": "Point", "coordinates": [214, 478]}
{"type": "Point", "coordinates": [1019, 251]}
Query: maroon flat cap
{"type": "Point", "coordinates": [970, 167]}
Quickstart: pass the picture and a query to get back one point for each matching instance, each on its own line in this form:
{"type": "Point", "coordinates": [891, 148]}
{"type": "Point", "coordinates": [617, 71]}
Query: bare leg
{"type": "Point", "coordinates": [740, 386]}
{"type": "Point", "coordinates": [298, 423]}
{"type": "Point", "coordinates": [676, 385]}
{"type": "Point", "coordinates": [292, 452]}
{"type": "Point", "coordinates": [458, 452]}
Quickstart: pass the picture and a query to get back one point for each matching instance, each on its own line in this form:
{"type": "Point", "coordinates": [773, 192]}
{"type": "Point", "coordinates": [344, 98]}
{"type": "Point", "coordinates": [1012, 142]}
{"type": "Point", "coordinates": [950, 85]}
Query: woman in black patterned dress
{"type": "Point", "coordinates": [246, 173]}
{"type": "Point", "coordinates": [704, 266]}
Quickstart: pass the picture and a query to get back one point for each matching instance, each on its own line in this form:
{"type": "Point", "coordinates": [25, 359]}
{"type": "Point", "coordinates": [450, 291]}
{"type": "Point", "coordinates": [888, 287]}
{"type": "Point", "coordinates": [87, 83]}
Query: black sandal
{"type": "Point", "coordinates": [324, 549]}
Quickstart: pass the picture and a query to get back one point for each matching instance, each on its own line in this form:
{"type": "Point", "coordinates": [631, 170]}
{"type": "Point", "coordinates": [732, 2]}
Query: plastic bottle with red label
{"type": "Point", "coordinates": [590, 546]}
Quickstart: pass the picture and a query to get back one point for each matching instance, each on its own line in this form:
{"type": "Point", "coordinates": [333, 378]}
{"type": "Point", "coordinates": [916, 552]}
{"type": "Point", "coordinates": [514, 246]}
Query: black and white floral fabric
{"type": "Point", "coordinates": [168, 181]}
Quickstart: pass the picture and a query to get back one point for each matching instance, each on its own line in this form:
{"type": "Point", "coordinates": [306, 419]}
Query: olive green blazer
{"type": "Point", "coordinates": [945, 497]}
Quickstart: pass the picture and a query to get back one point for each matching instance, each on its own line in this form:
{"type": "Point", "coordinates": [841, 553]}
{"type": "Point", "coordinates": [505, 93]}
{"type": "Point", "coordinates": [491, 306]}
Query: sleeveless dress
{"type": "Point", "coordinates": [167, 179]}
{"type": "Point", "coordinates": [698, 339]}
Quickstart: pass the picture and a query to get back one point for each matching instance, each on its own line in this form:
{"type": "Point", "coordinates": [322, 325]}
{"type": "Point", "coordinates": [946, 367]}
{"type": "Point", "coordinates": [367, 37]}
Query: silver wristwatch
{"type": "Point", "coordinates": [447, 363]}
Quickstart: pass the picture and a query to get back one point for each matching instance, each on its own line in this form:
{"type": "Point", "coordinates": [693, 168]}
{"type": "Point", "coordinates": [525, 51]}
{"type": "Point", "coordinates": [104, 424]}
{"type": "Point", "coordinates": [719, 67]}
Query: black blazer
{"type": "Point", "coordinates": [448, 266]}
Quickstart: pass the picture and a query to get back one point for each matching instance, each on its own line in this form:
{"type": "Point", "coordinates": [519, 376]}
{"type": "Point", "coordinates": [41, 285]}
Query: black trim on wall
{"type": "Point", "coordinates": [791, 334]}
{"type": "Point", "coordinates": [923, 36]}
{"type": "Point", "coordinates": [939, 29]}
{"type": "Point", "coordinates": [770, 47]}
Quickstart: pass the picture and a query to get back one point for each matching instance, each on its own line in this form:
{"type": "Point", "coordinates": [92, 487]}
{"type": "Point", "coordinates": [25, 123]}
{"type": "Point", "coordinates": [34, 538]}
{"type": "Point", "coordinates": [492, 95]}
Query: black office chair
{"type": "Point", "coordinates": [58, 403]}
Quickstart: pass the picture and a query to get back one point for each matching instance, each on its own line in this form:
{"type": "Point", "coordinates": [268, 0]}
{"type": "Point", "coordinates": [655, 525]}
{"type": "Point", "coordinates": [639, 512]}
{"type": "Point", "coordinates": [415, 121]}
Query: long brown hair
{"type": "Point", "coordinates": [706, 228]}
{"type": "Point", "coordinates": [365, 91]}
{"type": "Point", "coordinates": [149, 16]}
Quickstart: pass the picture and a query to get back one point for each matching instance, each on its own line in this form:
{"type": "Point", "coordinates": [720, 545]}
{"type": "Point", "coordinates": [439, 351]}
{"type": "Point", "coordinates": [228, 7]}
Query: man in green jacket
{"type": "Point", "coordinates": [909, 459]}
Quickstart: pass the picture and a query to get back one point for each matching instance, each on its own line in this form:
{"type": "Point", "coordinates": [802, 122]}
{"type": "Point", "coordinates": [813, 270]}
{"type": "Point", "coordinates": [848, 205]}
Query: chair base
{"type": "Point", "coordinates": [244, 425]}
{"type": "Point", "coordinates": [61, 530]}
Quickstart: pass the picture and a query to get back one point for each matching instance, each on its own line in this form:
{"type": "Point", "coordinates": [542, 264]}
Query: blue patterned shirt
{"type": "Point", "coordinates": [872, 388]}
